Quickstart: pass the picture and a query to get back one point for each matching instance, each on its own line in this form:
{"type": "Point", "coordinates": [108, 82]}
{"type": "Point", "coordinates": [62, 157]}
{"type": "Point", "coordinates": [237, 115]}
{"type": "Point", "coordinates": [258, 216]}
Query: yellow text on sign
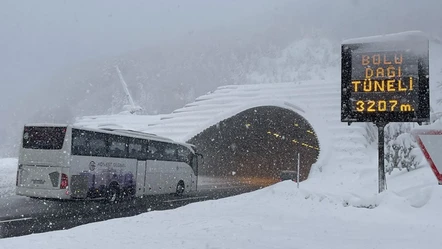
{"type": "Point", "coordinates": [382, 106]}
{"type": "Point", "coordinates": [382, 65]}
{"type": "Point", "coordinates": [391, 85]}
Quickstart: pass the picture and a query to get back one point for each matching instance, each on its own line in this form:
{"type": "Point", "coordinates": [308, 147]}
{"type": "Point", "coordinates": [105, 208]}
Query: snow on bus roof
{"type": "Point", "coordinates": [121, 132]}
{"type": "Point", "coordinates": [133, 133]}
{"type": "Point", "coordinates": [414, 35]}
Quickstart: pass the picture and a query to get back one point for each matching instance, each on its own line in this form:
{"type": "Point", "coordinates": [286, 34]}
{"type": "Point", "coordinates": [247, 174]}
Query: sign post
{"type": "Point", "coordinates": [381, 165]}
{"type": "Point", "coordinates": [297, 172]}
{"type": "Point", "coordinates": [385, 79]}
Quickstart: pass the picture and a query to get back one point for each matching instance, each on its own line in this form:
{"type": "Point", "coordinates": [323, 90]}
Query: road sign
{"type": "Point", "coordinates": [385, 79]}
{"type": "Point", "coordinates": [430, 142]}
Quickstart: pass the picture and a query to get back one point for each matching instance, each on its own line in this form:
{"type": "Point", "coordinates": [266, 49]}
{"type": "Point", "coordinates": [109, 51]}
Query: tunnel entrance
{"type": "Point", "coordinates": [258, 143]}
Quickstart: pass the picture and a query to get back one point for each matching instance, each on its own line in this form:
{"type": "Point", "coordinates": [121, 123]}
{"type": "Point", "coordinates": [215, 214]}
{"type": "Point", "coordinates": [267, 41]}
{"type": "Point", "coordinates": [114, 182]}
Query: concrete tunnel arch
{"type": "Point", "coordinates": [258, 142]}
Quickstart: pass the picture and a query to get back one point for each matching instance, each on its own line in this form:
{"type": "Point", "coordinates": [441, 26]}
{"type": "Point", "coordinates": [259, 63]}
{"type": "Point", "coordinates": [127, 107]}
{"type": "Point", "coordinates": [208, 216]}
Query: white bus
{"type": "Point", "coordinates": [69, 162]}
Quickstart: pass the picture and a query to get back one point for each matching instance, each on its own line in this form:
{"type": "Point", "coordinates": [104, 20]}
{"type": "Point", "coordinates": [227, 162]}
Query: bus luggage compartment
{"type": "Point", "coordinates": [79, 186]}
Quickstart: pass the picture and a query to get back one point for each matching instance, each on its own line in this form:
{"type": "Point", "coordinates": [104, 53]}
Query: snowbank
{"type": "Point", "coordinates": [279, 216]}
{"type": "Point", "coordinates": [8, 169]}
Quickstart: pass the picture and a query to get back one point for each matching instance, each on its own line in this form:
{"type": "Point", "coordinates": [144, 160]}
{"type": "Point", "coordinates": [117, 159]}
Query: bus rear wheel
{"type": "Point", "coordinates": [113, 194]}
{"type": "Point", "coordinates": [180, 188]}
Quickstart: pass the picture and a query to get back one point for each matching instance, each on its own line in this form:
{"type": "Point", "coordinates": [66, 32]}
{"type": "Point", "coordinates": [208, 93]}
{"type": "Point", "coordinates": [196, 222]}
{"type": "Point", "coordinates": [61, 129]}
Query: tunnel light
{"type": "Point", "coordinates": [297, 125]}
{"type": "Point", "coordinates": [311, 132]}
{"type": "Point", "coordinates": [310, 146]}
{"type": "Point", "coordinates": [248, 125]}
{"type": "Point", "coordinates": [294, 140]}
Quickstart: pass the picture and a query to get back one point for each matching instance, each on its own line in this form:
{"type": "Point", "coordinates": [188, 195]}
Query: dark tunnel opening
{"type": "Point", "coordinates": [258, 143]}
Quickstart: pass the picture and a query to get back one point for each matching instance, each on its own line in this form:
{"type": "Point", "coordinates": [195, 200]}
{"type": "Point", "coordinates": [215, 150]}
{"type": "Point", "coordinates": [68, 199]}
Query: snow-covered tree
{"type": "Point", "coordinates": [401, 150]}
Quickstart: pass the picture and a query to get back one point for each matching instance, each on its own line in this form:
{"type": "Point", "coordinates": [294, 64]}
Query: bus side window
{"type": "Point", "coordinates": [152, 150]}
{"type": "Point", "coordinates": [97, 144]}
{"type": "Point", "coordinates": [117, 146]}
{"type": "Point", "coordinates": [184, 154]}
{"type": "Point", "coordinates": [136, 149]}
{"type": "Point", "coordinates": [79, 143]}
{"type": "Point", "coordinates": [170, 152]}
{"type": "Point", "coordinates": [156, 150]}
{"type": "Point", "coordinates": [145, 149]}
{"type": "Point", "coordinates": [88, 143]}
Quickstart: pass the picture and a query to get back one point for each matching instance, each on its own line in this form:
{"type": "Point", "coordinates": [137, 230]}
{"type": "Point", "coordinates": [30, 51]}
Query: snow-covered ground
{"type": "Point", "coordinates": [328, 211]}
{"type": "Point", "coordinates": [8, 169]}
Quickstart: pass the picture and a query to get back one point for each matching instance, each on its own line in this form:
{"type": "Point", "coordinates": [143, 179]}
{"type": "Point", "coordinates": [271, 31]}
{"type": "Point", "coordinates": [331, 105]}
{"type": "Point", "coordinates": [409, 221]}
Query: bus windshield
{"type": "Point", "coordinates": [43, 138]}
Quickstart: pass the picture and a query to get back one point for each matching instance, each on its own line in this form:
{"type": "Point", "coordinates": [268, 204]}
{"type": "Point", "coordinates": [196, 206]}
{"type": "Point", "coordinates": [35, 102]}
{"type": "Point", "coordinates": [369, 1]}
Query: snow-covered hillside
{"type": "Point", "coordinates": [320, 59]}
{"type": "Point", "coordinates": [305, 59]}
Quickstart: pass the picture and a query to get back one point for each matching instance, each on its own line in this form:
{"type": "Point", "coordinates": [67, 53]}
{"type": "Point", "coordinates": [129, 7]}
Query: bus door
{"type": "Point", "coordinates": [141, 178]}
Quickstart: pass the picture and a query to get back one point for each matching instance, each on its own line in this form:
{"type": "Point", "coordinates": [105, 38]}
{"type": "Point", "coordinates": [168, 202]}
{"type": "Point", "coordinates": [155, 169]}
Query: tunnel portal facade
{"type": "Point", "coordinates": [258, 129]}
{"type": "Point", "coordinates": [258, 143]}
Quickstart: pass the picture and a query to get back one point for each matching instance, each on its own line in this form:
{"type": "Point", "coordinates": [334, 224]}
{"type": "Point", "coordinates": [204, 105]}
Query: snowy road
{"type": "Point", "coordinates": [22, 216]}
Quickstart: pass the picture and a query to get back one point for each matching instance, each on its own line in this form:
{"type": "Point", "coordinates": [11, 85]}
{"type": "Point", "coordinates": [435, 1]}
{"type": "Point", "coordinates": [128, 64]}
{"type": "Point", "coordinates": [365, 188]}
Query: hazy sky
{"type": "Point", "coordinates": [40, 37]}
